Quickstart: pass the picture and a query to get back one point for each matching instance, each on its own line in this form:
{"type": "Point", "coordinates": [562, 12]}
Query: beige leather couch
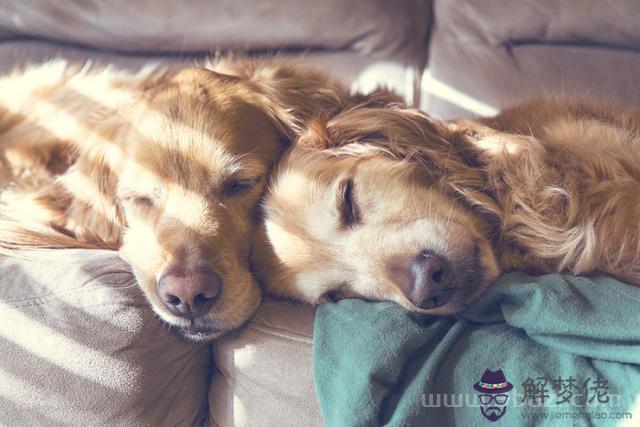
{"type": "Point", "coordinates": [78, 343]}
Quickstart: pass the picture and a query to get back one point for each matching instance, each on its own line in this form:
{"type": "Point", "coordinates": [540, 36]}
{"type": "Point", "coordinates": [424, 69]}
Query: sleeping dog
{"type": "Point", "coordinates": [390, 204]}
{"type": "Point", "coordinates": [166, 165]}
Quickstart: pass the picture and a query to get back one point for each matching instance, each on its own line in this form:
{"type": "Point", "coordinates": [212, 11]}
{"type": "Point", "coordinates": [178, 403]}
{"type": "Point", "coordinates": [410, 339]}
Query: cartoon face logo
{"type": "Point", "coordinates": [493, 388]}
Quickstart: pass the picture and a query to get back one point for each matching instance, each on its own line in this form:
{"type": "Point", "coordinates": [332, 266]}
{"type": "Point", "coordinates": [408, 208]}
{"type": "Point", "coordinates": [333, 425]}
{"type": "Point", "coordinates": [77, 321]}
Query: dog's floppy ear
{"type": "Point", "coordinates": [316, 136]}
{"type": "Point", "coordinates": [291, 93]}
{"type": "Point", "coordinates": [491, 142]}
{"type": "Point", "coordinates": [400, 132]}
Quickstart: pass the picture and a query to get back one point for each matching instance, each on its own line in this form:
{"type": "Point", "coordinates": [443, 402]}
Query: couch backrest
{"type": "Point", "coordinates": [399, 29]}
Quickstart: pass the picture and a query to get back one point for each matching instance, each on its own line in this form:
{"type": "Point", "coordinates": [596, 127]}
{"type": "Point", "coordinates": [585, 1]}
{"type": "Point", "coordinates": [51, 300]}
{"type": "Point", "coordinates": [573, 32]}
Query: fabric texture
{"type": "Point", "coordinates": [375, 363]}
{"type": "Point", "coordinates": [80, 345]}
{"type": "Point", "coordinates": [264, 372]}
{"type": "Point", "coordinates": [489, 55]}
{"type": "Point", "coordinates": [398, 30]}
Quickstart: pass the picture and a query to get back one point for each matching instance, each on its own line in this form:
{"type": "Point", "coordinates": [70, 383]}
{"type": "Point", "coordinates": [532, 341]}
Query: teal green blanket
{"type": "Point", "coordinates": [568, 349]}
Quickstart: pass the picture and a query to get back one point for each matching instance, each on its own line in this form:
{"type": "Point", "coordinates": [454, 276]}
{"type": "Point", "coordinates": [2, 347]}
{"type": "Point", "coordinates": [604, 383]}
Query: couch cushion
{"type": "Point", "coordinates": [500, 22]}
{"type": "Point", "coordinates": [362, 72]}
{"type": "Point", "coordinates": [485, 56]}
{"type": "Point", "coordinates": [264, 372]}
{"type": "Point", "coordinates": [79, 345]}
{"type": "Point", "coordinates": [203, 25]}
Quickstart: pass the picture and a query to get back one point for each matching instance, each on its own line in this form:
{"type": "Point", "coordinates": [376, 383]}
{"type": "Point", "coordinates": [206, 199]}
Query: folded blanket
{"type": "Point", "coordinates": [564, 350]}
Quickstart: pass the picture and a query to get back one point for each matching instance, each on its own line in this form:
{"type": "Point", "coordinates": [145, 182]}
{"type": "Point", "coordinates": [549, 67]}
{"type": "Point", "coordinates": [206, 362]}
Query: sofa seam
{"type": "Point", "coordinates": [279, 332]}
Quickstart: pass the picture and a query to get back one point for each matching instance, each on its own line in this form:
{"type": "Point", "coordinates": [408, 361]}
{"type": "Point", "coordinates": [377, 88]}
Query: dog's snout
{"type": "Point", "coordinates": [190, 293]}
{"type": "Point", "coordinates": [426, 280]}
{"type": "Point", "coordinates": [430, 269]}
{"type": "Point", "coordinates": [432, 276]}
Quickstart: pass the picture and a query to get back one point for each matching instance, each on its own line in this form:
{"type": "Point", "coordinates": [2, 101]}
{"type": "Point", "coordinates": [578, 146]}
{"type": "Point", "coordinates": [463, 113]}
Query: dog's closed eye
{"type": "Point", "coordinates": [140, 197]}
{"type": "Point", "coordinates": [143, 201]}
{"type": "Point", "coordinates": [237, 187]}
{"type": "Point", "coordinates": [350, 213]}
{"type": "Point", "coordinates": [138, 200]}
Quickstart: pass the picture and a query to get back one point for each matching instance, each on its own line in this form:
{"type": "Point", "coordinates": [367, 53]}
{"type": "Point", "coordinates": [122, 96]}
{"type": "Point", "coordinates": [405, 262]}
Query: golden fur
{"type": "Point", "coordinates": [165, 165]}
{"type": "Point", "coordinates": [545, 187]}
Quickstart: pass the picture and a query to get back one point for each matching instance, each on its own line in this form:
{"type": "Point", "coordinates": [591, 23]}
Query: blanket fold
{"type": "Point", "coordinates": [569, 346]}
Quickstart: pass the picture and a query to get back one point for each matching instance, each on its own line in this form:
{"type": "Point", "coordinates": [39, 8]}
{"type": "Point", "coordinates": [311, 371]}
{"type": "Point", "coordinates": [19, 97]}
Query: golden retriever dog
{"type": "Point", "coordinates": [165, 165]}
{"type": "Point", "coordinates": [390, 204]}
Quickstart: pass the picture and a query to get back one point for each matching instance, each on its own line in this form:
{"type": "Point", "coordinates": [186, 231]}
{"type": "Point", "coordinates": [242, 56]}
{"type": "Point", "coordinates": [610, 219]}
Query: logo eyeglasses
{"type": "Point", "coordinates": [500, 399]}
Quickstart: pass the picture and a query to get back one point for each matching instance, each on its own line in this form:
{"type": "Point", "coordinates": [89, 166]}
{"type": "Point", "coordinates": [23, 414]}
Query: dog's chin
{"type": "Point", "coordinates": [201, 329]}
{"type": "Point", "coordinates": [200, 334]}
{"type": "Point", "coordinates": [198, 330]}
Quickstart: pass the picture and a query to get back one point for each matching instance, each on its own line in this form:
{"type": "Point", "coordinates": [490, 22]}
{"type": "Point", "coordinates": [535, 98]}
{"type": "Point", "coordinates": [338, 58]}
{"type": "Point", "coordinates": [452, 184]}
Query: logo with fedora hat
{"type": "Point", "coordinates": [493, 388]}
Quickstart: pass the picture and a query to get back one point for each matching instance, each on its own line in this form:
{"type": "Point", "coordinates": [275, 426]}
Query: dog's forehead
{"type": "Point", "coordinates": [367, 168]}
{"type": "Point", "coordinates": [195, 142]}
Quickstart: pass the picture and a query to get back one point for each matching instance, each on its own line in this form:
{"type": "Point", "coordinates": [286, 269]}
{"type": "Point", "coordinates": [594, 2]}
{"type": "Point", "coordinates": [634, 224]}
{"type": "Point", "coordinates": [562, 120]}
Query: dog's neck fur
{"type": "Point", "coordinates": [566, 189]}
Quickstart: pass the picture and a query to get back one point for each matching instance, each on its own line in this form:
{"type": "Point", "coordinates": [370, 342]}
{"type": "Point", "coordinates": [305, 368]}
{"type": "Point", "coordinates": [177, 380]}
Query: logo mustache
{"type": "Point", "coordinates": [492, 410]}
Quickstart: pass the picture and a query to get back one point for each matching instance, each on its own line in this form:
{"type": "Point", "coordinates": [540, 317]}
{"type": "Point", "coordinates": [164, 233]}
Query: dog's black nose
{"type": "Point", "coordinates": [189, 293]}
{"type": "Point", "coordinates": [432, 276]}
